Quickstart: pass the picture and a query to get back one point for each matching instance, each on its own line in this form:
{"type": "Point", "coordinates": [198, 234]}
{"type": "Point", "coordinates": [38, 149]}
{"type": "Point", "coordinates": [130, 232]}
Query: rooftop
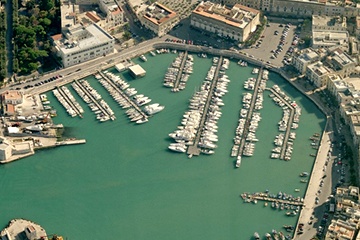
{"type": "Point", "coordinates": [319, 69]}
{"type": "Point", "coordinates": [12, 95]}
{"type": "Point", "coordinates": [158, 13]}
{"type": "Point", "coordinates": [341, 58]}
{"type": "Point", "coordinates": [79, 38]}
{"type": "Point", "coordinates": [326, 21]}
{"type": "Point", "coordinates": [238, 16]}
{"type": "Point", "coordinates": [326, 38]}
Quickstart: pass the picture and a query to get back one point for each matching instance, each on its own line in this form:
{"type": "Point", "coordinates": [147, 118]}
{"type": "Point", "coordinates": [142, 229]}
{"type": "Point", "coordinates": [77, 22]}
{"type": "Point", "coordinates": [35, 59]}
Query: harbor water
{"type": "Point", "coordinates": [124, 183]}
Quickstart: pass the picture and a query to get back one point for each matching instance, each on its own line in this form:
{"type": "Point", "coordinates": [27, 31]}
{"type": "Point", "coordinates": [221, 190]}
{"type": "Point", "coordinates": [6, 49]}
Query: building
{"type": "Point", "coordinates": [5, 151]}
{"type": "Point", "coordinates": [326, 23]}
{"type": "Point", "coordinates": [336, 85]}
{"type": "Point", "coordinates": [157, 18]}
{"type": "Point", "coordinates": [12, 97]}
{"type": "Point", "coordinates": [339, 229]}
{"type": "Point", "coordinates": [137, 71]}
{"type": "Point", "coordinates": [317, 73]}
{"type": "Point", "coordinates": [30, 232]}
{"type": "Point", "coordinates": [357, 27]}
{"type": "Point", "coordinates": [236, 23]}
{"type": "Point", "coordinates": [114, 14]}
{"type": "Point", "coordinates": [83, 43]}
{"type": "Point", "coordinates": [341, 62]}
{"type": "Point", "coordinates": [327, 39]}
{"type": "Point", "coordinates": [305, 57]}
{"type": "Point", "coordinates": [301, 8]}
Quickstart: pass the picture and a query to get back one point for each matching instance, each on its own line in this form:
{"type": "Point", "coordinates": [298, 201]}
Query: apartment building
{"type": "Point", "coordinates": [317, 73]}
{"type": "Point", "coordinates": [236, 23]}
{"type": "Point", "coordinates": [304, 59]}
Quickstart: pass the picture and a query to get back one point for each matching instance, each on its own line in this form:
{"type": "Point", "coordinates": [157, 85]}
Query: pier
{"type": "Point", "coordinates": [193, 149]}
{"type": "Point", "coordinates": [288, 127]}
{"type": "Point", "coordinates": [249, 114]}
{"type": "Point", "coordinates": [71, 103]}
{"type": "Point", "coordinates": [267, 198]}
{"type": "Point", "coordinates": [71, 142]}
{"type": "Point", "coordinates": [92, 98]}
{"type": "Point", "coordinates": [178, 77]}
{"type": "Point", "coordinates": [133, 104]}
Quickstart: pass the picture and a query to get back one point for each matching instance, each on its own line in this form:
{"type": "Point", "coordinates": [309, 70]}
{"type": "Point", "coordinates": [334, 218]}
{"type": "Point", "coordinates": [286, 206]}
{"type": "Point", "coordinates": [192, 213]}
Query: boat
{"type": "Point", "coordinates": [153, 108]}
{"type": "Point", "coordinates": [152, 53]}
{"type": "Point", "coordinates": [297, 190]}
{"type": "Point", "coordinates": [142, 120]}
{"type": "Point", "coordinates": [268, 236]}
{"type": "Point", "coordinates": [256, 235]}
{"type": "Point", "coordinates": [35, 128]}
{"type": "Point", "coordinates": [304, 180]}
{"type": "Point", "coordinates": [304, 174]}
{"type": "Point", "coordinates": [142, 57]}
{"type": "Point", "coordinates": [238, 162]}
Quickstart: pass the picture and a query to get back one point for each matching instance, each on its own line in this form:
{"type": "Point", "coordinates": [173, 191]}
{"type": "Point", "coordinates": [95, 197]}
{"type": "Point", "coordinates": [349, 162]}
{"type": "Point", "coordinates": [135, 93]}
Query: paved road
{"type": "Point", "coordinates": [84, 69]}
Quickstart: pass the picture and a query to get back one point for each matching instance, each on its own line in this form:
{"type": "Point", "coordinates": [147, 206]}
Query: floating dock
{"type": "Point", "coordinates": [267, 198]}
{"type": "Point", "coordinates": [70, 100]}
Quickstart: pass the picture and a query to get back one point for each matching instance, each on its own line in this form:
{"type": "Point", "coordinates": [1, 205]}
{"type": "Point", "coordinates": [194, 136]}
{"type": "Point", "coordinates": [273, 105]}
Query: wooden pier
{"type": "Point", "coordinates": [178, 76]}
{"type": "Point", "coordinates": [249, 114]}
{"type": "Point", "coordinates": [116, 88]}
{"type": "Point", "coordinates": [194, 149]}
{"type": "Point", "coordinates": [68, 100]}
{"type": "Point", "coordinates": [288, 127]}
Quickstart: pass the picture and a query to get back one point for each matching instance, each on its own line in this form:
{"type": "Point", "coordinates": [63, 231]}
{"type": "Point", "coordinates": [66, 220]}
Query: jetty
{"type": "Point", "coordinates": [20, 228]}
{"type": "Point", "coordinates": [178, 76]}
{"type": "Point", "coordinates": [122, 94]}
{"type": "Point", "coordinates": [194, 150]}
{"type": "Point", "coordinates": [90, 96]}
{"type": "Point", "coordinates": [266, 197]}
{"type": "Point", "coordinates": [71, 142]}
{"type": "Point", "coordinates": [69, 98]}
{"type": "Point", "coordinates": [249, 114]}
{"type": "Point", "coordinates": [288, 127]}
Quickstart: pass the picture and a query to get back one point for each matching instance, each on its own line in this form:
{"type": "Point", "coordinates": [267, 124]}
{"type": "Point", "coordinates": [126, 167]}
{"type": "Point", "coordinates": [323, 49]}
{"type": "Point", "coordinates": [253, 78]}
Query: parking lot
{"type": "Point", "coordinates": [275, 44]}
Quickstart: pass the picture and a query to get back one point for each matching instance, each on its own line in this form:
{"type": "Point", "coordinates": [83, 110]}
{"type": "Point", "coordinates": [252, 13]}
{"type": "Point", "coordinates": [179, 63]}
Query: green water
{"type": "Point", "coordinates": [125, 184]}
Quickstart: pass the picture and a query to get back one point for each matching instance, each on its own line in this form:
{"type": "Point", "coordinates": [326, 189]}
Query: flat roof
{"type": "Point", "coordinates": [12, 94]}
{"type": "Point", "coordinates": [81, 38]}
{"type": "Point", "coordinates": [158, 13]}
{"type": "Point", "coordinates": [137, 70]}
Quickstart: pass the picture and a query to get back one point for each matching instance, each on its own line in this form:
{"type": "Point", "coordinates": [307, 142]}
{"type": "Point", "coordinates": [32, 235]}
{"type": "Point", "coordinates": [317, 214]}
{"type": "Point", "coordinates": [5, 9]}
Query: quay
{"type": "Point", "coordinates": [69, 101]}
{"type": "Point", "coordinates": [265, 197]}
{"type": "Point", "coordinates": [133, 104]}
{"type": "Point", "coordinates": [249, 114]}
{"type": "Point", "coordinates": [193, 149]}
{"type": "Point", "coordinates": [288, 127]}
{"type": "Point", "coordinates": [178, 77]}
{"type": "Point", "coordinates": [92, 98]}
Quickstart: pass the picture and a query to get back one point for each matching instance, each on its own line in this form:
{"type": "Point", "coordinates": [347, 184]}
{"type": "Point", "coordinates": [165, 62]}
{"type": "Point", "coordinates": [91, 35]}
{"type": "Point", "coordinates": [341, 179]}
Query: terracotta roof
{"type": "Point", "coordinates": [11, 94]}
{"type": "Point", "coordinates": [93, 17]}
{"type": "Point", "coordinates": [56, 37]}
{"type": "Point", "coordinates": [248, 9]}
{"type": "Point", "coordinates": [10, 108]}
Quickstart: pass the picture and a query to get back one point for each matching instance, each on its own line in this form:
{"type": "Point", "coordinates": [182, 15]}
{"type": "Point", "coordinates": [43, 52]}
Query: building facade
{"type": "Point", "coordinates": [236, 23]}
{"type": "Point", "coordinates": [305, 58]}
{"type": "Point", "coordinates": [114, 14]}
{"type": "Point", "coordinates": [317, 73]}
{"type": "Point", "coordinates": [83, 43]}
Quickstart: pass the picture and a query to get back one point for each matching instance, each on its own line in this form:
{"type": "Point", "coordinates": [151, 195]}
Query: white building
{"type": "Point", "coordinates": [336, 85]}
{"type": "Point", "coordinates": [157, 18]}
{"type": "Point", "coordinates": [327, 39]}
{"type": "Point", "coordinates": [236, 23]}
{"type": "Point", "coordinates": [82, 43]}
{"type": "Point", "coordinates": [317, 73]}
{"type": "Point", "coordinates": [306, 57]}
{"type": "Point", "coordinates": [341, 62]}
{"type": "Point", "coordinates": [5, 151]}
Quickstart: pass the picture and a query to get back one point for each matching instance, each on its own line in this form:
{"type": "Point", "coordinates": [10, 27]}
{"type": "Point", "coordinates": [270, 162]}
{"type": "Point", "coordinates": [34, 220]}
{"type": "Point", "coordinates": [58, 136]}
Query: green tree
{"type": "Point", "coordinates": [46, 5]}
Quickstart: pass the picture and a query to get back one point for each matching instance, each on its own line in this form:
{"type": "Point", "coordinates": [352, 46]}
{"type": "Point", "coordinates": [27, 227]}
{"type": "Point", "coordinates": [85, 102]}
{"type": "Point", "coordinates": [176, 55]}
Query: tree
{"type": "Point", "coordinates": [46, 5]}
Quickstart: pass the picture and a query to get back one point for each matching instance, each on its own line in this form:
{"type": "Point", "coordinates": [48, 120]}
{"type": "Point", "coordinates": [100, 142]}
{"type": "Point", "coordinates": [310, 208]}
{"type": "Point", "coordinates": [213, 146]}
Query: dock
{"type": "Point", "coordinates": [16, 228]}
{"type": "Point", "coordinates": [71, 101]}
{"type": "Point", "coordinates": [71, 142]}
{"type": "Point", "coordinates": [116, 88]}
{"type": "Point", "coordinates": [288, 127]}
{"type": "Point", "coordinates": [92, 98]}
{"type": "Point", "coordinates": [267, 198]}
{"type": "Point", "coordinates": [178, 77]}
{"type": "Point", "coordinates": [194, 150]}
{"type": "Point", "coordinates": [249, 114]}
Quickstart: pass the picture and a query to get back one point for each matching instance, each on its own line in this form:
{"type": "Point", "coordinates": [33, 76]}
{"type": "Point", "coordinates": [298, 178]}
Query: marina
{"type": "Point", "coordinates": [69, 98]}
{"type": "Point", "coordinates": [130, 152]}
